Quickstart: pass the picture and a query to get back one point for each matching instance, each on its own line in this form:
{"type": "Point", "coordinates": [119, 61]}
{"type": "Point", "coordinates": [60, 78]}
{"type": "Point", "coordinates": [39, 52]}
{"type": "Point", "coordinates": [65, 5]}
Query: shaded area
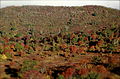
{"type": "Point", "coordinates": [58, 70]}
{"type": "Point", "coordinates": [116, 70]}
{"type": "Point", "coordinates": [11, 71]}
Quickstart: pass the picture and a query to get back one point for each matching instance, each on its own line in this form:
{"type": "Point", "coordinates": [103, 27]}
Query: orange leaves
{"type": "Point", "coordinates": [83, 71]}
{"type": "Point", "coordinates": [12, 46]}
{"type": "Point", "coordinates": [80, 43]}
{"type": "Point", "coordinates": [72, 36]}
{"type": "Point", "coordinates": [73, 49]}
{"type": "Point", "coordinates": [92, 48]}
{"type": "Point", "coordinates": [82, 49]}
{"type": "Point", "coordinates": [63, 46]}
{"type": "Point", "coordinates": [84, 61]}
{"type": "Point", "coordinates": [101, 69]}
{"type": "Point", "coordinates": [100, 42]}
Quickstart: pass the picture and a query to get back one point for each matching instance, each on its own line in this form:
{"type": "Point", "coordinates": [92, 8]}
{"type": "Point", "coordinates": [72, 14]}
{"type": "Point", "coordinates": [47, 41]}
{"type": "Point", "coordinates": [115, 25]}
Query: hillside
{"type": "Point", "coordinates": [49, 19]}
{"type": "Point", "coordinates": [42, 42]}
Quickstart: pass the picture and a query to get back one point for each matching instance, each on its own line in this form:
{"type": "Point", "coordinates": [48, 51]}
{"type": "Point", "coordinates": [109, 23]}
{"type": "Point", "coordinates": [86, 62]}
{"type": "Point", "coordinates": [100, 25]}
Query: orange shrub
{"type": "Point", "coordinates": [73, 49]}
{"type": "Point", "coordinates": [63, 46]}
{"type": "Point", "coordinates": [83, 71]}
{"type": "Point", "coordinates": [80, 43]}
{"type": "Point", "coordinates": [92, 48]}
{"type": "Point", "coordinates": [101, 69]}
{"type": "Point", "coordinates": [94, 36]}
{"type": "Point", "coordinates": [100, 42]}
{"type": "Point", "coordinates": [72, 36]}
{"type": "Point", "coordinates": [82, 50]}
{"type": "Point", "coordinates": [12, 46]}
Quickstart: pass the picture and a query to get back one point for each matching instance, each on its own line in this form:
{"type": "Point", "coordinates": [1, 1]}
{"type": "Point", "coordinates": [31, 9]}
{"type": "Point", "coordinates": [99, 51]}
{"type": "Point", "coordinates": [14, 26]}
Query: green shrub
{"type": "Point", "coordinates": [29, 51]}
{"type": "Point", "coordinates": [9, 56]}
{"type": "Point", "coordinates": [18, 35]}
{"type": "Point", "coordinates": [60, 40]}
{"type": "Point", "coordinates": [1, 50]}
{"type": "Point", "coordinates": [60, 77]}
{"type": "Point", "coordinates": [96, 60]}
{"type": "Point", "coordinates": [74, 40]}
{"type": "Point", "coordinates": [46, 47]}
{"type": "Point", "coordinates": [110, 48]}
{"type": "Point", "coordinates": [19, 47]}
{"type": "Point", "coordinates": [28, 65]}
{"type": "Point", "coordinates": [93, 75]}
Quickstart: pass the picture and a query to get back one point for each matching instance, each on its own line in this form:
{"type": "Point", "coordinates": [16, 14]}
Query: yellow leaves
{"type": "Point", "coordinates": [3, 57]}
{"type": "Point", "coordinates": [48, 77]}
{"type": "Point", "coordinates": [31, 39]}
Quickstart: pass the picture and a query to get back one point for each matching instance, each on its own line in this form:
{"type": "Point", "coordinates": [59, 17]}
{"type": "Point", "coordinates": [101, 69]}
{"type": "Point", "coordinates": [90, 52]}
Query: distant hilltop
{"type": "Point", "coordinates": [54, 19]}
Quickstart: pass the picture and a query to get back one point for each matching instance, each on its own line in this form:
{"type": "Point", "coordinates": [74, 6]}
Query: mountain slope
{"type": "Point", "coordinates": [45, 18]}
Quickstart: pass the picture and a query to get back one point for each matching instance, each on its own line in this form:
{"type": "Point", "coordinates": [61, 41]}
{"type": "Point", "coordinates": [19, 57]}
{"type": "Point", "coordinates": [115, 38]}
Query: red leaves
{"type": "Point", "coordinates": [26, 46]}
{"type": "Point", "coordinates": [68, 73]}
{"type": "Point", "coordinates": [22, 44]}
{"type": "Point", "coordinates": [80, 42]}
{"type": "Point", "coordinates": [86, 38]}
{"type": "Point", "coordinates": [6, 39]}
{"type": "Point", "coordinates": [93, 36]}
{"type": "Point", "coordinates": [6, 46]}
{"type": "Point", "coordinates": [73, 49]}
{"type": "Point", "coordinates": [83, 71]}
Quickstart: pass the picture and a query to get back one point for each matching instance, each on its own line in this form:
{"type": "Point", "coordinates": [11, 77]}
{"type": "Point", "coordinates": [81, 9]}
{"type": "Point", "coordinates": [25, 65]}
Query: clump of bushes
{"type": "Point", "coordinates": [18, 47]}
{"type": "Point", "coordinates": [104, 40]}
{"type": "Point", "coordinates": [28, 65]}
{"type": "Point", "coordinates": [96, 60]}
